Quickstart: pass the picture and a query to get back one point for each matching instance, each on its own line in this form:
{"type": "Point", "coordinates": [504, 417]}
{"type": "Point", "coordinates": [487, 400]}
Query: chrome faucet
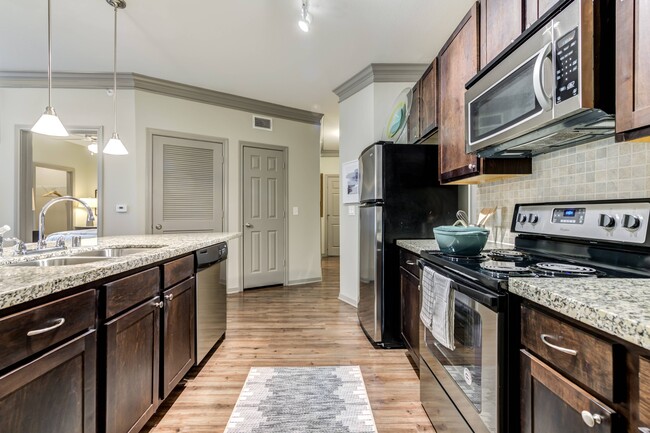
{"type": "Point", "coordinates": [41, 218]}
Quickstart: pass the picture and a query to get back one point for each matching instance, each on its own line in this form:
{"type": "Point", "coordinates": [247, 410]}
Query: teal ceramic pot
{"type": "Point", "coordinates": [461, 241]}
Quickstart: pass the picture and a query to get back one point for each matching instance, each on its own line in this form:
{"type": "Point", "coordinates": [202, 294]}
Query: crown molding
{"type": "Point", "coordinates": [132, 81]}
{"type": "Point", "coordinates": [380, 73]}
{"type": "Point", "coordinates": [329, 153]}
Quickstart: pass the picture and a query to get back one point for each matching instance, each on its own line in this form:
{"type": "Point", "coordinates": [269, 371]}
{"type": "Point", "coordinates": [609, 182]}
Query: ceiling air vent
{"type": "Point", "coordinates": [265, 123]}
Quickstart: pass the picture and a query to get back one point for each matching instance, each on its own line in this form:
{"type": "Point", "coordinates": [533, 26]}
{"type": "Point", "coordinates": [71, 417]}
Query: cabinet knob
{"type": "Point", "coordinates": [160, 304]}
{"type": "Point", "coordinates": [169, 297]}
{"type": "Point", "coordinates": [471, 166]}
{"type": "Point", "coordinates": [591, 419]}
{"type": "Point", "coordinates": [410, 263]}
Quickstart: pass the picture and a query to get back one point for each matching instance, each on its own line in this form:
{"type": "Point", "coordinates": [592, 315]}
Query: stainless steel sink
{"type": "Point", "coordinates": [60, 261]}
{"type": "Point", "coordinates": [113, 252]}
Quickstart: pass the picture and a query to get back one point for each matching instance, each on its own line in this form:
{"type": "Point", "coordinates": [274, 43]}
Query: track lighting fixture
{"type": "Point", "coordinates": [305, 17]}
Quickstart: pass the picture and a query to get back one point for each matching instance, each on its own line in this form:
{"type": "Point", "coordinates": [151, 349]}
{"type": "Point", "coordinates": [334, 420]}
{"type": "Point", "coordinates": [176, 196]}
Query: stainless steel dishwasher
{"type": "Point", "coordinates": [210, 297]}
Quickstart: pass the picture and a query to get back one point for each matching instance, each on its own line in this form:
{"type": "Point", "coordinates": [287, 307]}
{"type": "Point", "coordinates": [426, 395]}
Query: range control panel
{"type": "Point", "coordinates": [615, 221]}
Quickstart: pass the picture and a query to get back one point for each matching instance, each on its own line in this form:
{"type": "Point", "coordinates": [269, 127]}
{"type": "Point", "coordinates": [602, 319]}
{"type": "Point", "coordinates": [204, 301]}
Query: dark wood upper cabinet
{"type": "Point", "coordinates": [54, 393]}
{"type": "Point", "coordinates": [429, 99]}
{"type": "Point", "coordinates": [414, 115]}
{"type": "Point", "coordinates": [535, 9]}
{"type": "Point", "coordinates": [178, 334]}
{"type": "Point", "coordinates": [501, 23]}
{"type": "Point", "coordinates": [458, 62]}
{"type": "Point", "coordinates": [632, 70]}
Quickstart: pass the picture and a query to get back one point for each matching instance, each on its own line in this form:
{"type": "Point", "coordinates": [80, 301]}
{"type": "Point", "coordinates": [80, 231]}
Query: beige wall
{"type": "Point", "coordinates": [593, 171]}
{"type": "Point", "coordinates": [125, 178]}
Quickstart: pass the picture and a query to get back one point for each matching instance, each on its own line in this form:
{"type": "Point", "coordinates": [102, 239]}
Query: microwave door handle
{"type": "Point", "coordinates": [538, 78]}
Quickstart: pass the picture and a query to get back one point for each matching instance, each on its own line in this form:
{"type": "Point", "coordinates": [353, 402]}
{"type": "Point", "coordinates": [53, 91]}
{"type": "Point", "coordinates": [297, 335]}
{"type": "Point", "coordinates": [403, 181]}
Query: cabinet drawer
{"type": "Point", "coordinates": [580, 355]}
{"type": "Point", "coordinates": [177, 270]}
{"type": "Point", "coordinates": [129, 291]}
{"type": "Point", "coordinates": [28, 332]}
{"type": "Point", "coordinates": [409, 261]}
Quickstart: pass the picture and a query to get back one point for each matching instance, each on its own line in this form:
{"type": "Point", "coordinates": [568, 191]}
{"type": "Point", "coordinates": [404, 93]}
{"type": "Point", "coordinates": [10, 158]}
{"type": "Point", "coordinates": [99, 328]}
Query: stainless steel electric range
{"type": "Point", "coordinates": [473, 387]}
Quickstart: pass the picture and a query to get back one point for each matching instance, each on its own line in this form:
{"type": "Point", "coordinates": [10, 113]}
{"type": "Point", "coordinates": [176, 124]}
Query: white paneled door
{"type": "Point", "coordinates": [187, 190]}
{"type": "Point", "coordinates": [264, 172]}
{"type": "Point", "coordinates": [333, 218]}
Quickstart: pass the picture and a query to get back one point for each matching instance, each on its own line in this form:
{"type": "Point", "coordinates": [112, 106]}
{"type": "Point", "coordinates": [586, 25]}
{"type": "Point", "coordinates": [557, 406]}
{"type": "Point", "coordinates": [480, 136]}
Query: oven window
{"type": "Point", "coordinates": [507, 103]}
{"type": "Point", "coordinates": [464, 364]}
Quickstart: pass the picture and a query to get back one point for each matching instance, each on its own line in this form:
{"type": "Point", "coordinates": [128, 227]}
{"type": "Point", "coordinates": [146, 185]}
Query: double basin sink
{"type": "Point", "coordinates": [85, 257]}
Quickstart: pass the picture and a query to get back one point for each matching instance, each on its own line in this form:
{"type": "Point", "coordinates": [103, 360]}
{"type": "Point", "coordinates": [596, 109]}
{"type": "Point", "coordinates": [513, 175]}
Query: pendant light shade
{"type": "Point", "coordinates": [115, 145]}
{"type": "Point", "coordinates": [49, 123]}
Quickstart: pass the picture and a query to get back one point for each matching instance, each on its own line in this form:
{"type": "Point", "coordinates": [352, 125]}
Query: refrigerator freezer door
{"type": "Point", "coordinates": [370, 165]}
{"type": "Point", "coordinates": [370, 308]}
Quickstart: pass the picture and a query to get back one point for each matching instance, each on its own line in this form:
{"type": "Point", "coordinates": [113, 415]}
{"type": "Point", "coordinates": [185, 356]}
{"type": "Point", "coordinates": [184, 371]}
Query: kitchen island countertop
{"type": "Point", "coordinates": [20, 284]}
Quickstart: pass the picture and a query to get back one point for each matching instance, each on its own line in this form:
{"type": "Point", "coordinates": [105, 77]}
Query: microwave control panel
{"type": "Point", "coordinates": [566, 66]}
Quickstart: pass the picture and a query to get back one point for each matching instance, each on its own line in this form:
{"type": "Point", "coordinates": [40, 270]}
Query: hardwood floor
{"type": "Point", "coordinates": [293, 326]}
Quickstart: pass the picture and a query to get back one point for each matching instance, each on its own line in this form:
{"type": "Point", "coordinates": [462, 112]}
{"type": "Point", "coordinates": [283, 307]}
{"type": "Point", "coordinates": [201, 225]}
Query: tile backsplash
{"type": "Point", "coordinates": [593, 171]}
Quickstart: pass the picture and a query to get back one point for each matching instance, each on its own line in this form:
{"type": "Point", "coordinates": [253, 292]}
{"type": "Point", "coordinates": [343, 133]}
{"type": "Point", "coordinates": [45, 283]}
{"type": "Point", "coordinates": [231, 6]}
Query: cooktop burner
{"type": "Point", "coordinates": [464, 259]}
{"type": "Point", "coordinates": [506, 255]}
{"type": "Point", "coordinates": [565, 270]}
{"type": "Point", "coordinates": [506, 267]}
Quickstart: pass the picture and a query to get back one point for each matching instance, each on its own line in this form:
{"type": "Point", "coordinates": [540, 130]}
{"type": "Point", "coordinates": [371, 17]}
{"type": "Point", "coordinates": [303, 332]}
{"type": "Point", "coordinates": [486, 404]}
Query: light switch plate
{"type": "Point", "coordinates": [121, 208]}
{"type": "Point", "coordinates": [295, 210]}
{"type": "Point", "coordinates": [352, 210]}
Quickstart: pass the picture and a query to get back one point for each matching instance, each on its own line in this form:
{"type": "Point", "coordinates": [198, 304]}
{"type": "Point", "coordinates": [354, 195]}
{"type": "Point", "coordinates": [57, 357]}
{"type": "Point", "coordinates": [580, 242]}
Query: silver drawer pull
{"type": "Point", "coordinates": [591, 419]}
{"type": "Point", "coordinates": [58, 324]}
{"type": "Point", "coordinates": [558, 348]}
{"type": "Point", "coordinates": [410, 263]}
{"type": "Point", "coordinates": [169, 297]}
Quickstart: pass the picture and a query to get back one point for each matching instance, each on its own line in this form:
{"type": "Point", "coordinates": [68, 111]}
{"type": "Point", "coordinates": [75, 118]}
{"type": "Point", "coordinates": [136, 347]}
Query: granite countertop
{"type": "Point", "coordinates": [417, 245]}
{"type": "Point", "coordinates": [618, 306]}
{"type": "Point", "coordinates": [25, 283]}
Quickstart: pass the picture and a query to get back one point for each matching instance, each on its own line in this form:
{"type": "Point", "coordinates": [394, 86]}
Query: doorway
{"type": "Point", "coordinates": [264, 190]}
{"type": "Point", "coordinates": [331, 213]}
{"type": "Point", "coordinates": [187, 191]}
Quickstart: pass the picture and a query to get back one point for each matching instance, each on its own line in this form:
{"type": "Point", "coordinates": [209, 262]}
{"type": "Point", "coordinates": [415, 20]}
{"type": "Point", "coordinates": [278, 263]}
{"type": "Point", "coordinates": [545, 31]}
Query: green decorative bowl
{"type": "Point", "coordinates": [461, 241]}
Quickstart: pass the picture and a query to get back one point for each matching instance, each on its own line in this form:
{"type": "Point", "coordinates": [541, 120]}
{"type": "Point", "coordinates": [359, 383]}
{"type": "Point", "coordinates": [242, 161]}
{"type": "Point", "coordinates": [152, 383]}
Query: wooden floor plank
{"type": "Point", "coordinates": [293, 326]}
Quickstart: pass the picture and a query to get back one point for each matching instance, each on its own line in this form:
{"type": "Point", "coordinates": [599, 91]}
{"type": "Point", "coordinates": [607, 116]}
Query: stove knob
{"type": "Point", "coordinates": [606, 221]}
{"type": "Point", "coordinates": [631, 222]}
{"type": "Point", "coordinates": [521, 218]}
{"type": "Point", "coordinates": [532, 218]}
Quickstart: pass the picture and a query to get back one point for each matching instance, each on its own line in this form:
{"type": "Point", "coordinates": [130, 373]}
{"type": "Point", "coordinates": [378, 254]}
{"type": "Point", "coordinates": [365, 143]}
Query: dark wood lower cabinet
{"type": "Point", "coordinates": [178, 334]}
{"type": "Point", "coordinates": [54, 393]}
{"type": "Point", "coordinates": [410, 313]}
{"type": "Point", "coordinates": [550, 403]}
{"type": "Point", "coordinates": [132, 368]}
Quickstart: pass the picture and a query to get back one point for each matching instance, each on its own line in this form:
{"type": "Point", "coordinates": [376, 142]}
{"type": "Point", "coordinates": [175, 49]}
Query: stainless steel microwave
{"type": "Point", "coordinates": [553, 88]}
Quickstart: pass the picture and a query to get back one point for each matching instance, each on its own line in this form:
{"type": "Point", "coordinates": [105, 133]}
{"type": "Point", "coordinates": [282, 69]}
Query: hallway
{"type": "Point", "coordinates": [293, 326]}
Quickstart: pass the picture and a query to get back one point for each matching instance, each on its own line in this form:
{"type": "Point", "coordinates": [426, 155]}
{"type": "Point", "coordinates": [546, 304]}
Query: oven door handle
{"type": "Point", "coordinates": [487, 299]}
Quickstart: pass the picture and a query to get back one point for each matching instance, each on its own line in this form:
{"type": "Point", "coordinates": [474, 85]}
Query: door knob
{"type": "Point", "coordinates": [249, 225]}
{"type": "Point", "coordinates": [158, 226]}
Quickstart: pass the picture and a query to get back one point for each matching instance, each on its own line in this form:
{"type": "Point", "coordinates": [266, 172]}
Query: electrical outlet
{"type": "Point", "coordinates": [121, 208]}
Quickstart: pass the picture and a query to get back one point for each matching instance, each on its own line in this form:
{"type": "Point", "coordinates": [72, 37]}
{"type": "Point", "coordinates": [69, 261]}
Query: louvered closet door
{"type": "Point", "coordinates": [264, 216]}
{"type": "Point", "coordinates": [187, 185]}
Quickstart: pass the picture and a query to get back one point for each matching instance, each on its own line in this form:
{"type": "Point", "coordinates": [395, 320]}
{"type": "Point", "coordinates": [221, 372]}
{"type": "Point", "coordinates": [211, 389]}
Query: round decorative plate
{"type": "Point", "coordinates": [398, 116]}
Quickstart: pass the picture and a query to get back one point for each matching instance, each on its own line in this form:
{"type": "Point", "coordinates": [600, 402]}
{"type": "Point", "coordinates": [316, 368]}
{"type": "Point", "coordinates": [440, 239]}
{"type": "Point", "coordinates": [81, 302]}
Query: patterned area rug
{"type": "Point", "coordinates": [303, 400]}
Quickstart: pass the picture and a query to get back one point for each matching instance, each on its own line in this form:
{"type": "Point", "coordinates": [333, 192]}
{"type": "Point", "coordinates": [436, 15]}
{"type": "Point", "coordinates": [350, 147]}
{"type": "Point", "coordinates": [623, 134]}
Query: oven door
{"type": "Point", "coordinates": [471, 374]}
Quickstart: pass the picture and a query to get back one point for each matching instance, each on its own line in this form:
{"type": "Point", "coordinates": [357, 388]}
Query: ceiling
{"type": "Point", "coordinates": [251, 48]}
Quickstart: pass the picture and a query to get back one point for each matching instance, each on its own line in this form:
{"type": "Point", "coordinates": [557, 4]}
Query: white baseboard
{"type": "Point", "coordinates": [348, 300]}
{"type": "Point", "coordinates": [233, 290]}
{"type": "Point", "coordinates": [304, 281]}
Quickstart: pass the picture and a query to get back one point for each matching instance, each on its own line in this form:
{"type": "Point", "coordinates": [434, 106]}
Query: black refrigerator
{"type": "Point", "coordinates": [400, 198]}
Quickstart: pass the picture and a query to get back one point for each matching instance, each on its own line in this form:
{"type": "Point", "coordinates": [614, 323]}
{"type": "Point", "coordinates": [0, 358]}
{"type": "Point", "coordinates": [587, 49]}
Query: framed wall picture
{"type": "Point", "coordinates": [350, 180]}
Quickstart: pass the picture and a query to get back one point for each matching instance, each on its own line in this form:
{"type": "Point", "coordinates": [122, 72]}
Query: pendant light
{"type": "Point", "coordinates": [115, 145]}
{"type": "Point", "coordinates": [49, 123]}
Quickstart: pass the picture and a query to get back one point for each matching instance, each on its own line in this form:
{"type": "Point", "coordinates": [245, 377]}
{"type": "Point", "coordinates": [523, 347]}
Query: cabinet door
{"type": "Point", "coordinates": [132, 360]}
{"type": "Point", "coordinates": [458, 62]}
{"type": "Point", "coordinates": [536, 8]}
{"type": "Point", "coordinates": [178, 334]}
{"type": "Point", "coordinates": [551, 403]}
{"type": "Point", "coordinates": [501, 23]}
{"type": "Point", "coordinates": [410, 313]}
{"type": "Point", "coordinates": [644, 395]}
{"type": "Point", "coordinates": [414, 115]}
{"type": "Point", "coordinates": [429, 99]}
{"type": "Point", "coordinates": [55, 393]}
{"type": "Point", "coordinates": [632, 68]}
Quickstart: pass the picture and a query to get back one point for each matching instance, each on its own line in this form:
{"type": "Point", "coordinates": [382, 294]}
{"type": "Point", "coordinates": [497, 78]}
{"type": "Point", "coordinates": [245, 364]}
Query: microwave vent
{"type": "Point", "coordinates": [557, 139]}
